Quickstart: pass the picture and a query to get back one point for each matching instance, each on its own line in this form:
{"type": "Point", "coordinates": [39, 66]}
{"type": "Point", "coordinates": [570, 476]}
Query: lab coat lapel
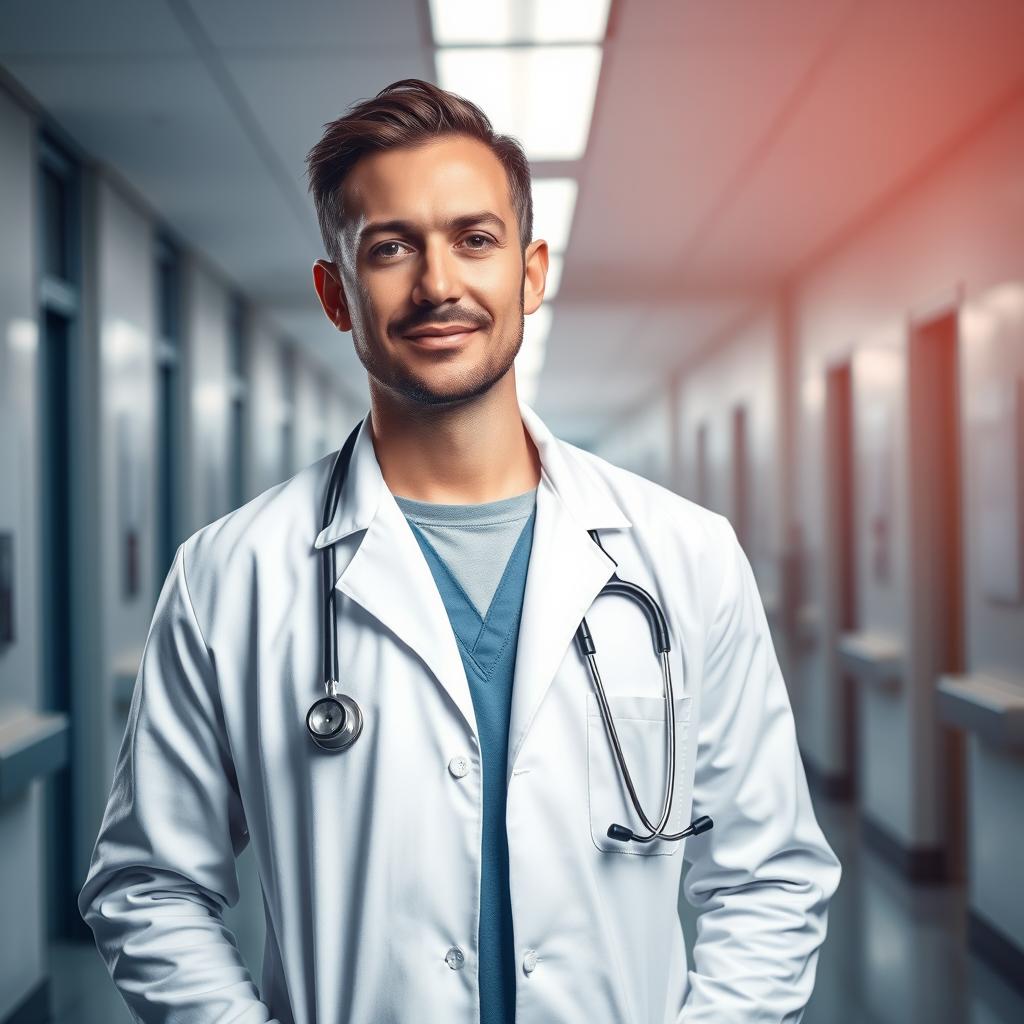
{"type": "Point", "coordinates": [389, 577]}
{"type": "Point", "coordinates": [565, 574]}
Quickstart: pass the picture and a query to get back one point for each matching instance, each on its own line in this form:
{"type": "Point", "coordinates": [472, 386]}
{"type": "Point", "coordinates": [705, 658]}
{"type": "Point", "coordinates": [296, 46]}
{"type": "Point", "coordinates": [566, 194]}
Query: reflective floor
{"type": "Point", "coordinates": [895, 954]}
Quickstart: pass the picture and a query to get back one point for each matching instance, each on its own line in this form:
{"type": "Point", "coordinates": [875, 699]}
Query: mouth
{"type": "Point", "coordinates": [436, 340]}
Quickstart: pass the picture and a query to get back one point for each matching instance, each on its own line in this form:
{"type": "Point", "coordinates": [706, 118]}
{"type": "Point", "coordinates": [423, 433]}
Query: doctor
{"type": "Point", "coordinates": [453, 863]}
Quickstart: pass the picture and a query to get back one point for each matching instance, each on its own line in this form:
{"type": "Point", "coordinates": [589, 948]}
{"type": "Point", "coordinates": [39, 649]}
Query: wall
{"type": "Point", "coordinates": [22, 861]}
{"type": "Point", "coordinates": [312, 396]}
{"type": "Point", "coordinates": [207, 323]}
{"type": "Point", "coordinates": [122, 348]}
{"type": "Point", "coordinates": [955, 236]}
{"type": "Point", "coordinates": [745, 373]}
{"type": "Point", "coordinates": [113, 479]}
{"type": "Point", "coordinates": [264, 407]}
{"type": "Point", "coordinates": [992, 360]}
{"type": "Point", "coordinates": [951, 241]}
{"type": "Point", "coordinates": [343, 413]}
{"type": "Point", "coordinates": [639, 442]}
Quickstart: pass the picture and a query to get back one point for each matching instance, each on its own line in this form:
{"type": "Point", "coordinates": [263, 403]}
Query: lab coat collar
{"type": "Point", "coordinates": [389, 577]}
{"type": "Point", "coordinates": [584, 494]}
{"type": "Point", "coordinates": [576, 483]}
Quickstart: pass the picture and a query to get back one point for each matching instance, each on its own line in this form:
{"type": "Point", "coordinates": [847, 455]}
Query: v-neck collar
{"type": "Point", "coordinates": [481, 637]}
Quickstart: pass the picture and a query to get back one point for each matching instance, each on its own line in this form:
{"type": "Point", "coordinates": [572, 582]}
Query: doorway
{"type": "Point", "coordinates": [59, 311]}
{"type": "Point", "coordinates": [741, 477]}
{"type": "Point", "coordinates": [169, 407]}
{"type": "Point", "coordinates": [840, 560]}
{"type": "Point", "coordinates": [937, 560]}
{"type": "Point", "coordinates": [702, 490]}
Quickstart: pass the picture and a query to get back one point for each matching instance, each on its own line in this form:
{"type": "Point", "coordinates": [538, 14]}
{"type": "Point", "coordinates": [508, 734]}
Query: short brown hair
{"type": "Point", "coordinates": [407, 113]}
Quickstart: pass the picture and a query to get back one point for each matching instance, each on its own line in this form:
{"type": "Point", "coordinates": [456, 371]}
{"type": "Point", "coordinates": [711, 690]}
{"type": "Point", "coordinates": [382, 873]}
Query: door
{"type": "Point", "coordinates": [936, 567]}
{"type": "Point", "coordinates": [840, 557]}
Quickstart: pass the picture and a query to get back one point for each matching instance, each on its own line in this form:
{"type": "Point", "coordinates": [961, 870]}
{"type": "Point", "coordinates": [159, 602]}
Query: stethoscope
{"type": "Point", "coordinates": [335, 721]}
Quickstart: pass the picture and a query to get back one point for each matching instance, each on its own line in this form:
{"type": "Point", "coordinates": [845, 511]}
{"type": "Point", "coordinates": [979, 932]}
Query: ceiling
{"type": "Point", "coordinates": [732, 142]}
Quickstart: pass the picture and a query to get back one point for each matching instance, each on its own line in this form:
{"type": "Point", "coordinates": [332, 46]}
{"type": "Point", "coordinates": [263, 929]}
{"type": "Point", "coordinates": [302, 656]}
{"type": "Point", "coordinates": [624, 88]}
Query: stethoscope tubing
{"type": "Point", "coordinates": [328, 563]}
{"type": "Point", "coordinates": [335, 720]}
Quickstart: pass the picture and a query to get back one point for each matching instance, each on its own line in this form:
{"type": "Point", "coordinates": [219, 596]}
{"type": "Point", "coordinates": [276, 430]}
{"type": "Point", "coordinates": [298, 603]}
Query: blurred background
{"type": "Point", "coordinates": [787, 282]}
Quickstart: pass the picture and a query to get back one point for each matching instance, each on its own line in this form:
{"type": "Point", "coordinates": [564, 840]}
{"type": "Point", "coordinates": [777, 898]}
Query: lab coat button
{"type": "Point", "coordinates": [455, 958]}
{"type": "Point", "coordinates": [530, 960]}
{"type": "Point", "coordinates": [458, 766]}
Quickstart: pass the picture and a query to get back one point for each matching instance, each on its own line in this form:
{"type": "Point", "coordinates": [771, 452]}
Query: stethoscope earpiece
{"type": "Point", "coordinates": [698, 825]}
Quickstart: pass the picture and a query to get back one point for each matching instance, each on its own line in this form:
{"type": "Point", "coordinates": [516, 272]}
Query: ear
{"type": "Point", "coordinates": [536, 272]}
{"type": "Point", "coordinates": [327, 282]}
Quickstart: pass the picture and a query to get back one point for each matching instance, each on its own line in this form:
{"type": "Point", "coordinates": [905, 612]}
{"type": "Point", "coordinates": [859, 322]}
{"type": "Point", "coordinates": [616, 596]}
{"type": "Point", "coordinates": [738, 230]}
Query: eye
{"type": "Point", "coordinates": [486, 239]}
{"type": "Point", "coordinates": [379, 251]}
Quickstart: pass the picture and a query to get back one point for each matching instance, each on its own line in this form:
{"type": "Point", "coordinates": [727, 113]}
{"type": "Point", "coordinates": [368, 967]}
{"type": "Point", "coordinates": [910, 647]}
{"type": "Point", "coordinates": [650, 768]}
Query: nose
{"type": "Point", "coordinates": [438, 279]}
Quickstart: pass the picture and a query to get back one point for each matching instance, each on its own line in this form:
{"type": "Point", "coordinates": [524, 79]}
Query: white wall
{"type": "Point", "coordinates": [743, 372]}
{"type": "Point", "coordinates": [113, 458]}
{"type": "Point", "coordinates": [641, 442]}
{"type": "Point", "coordinates": [311, 398]}
{"type": "Point", "coordinates": [207, 323]}
{"type": "Point", "coordinates": [264, 405]}
{"type": "Point", "coordinates": [22, 861]}
{"type": "Point", "coordinates": [959, 233]}
{"type": "Point", "coordinates": [954, 240]}
{"type": "Point", "coordinates": [343, 413]}
{"type": "Point", "coordinates": [125, 306]}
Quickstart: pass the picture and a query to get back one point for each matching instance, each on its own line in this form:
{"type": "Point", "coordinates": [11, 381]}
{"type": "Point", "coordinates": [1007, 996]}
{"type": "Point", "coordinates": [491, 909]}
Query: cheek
{"type": "Point", "coordinates": [370, 310]}
{"type": "Point", "coordinates": [497, 287]}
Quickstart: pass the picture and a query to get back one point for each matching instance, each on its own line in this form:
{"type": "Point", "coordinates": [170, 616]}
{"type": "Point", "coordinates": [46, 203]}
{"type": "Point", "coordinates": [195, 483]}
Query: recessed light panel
{"type": "Point", "coordinates": [543, 95]}
{"type": "Point", "coordinates": [554, 200]}
{"type": "Point", "coordinates": [461, 22]}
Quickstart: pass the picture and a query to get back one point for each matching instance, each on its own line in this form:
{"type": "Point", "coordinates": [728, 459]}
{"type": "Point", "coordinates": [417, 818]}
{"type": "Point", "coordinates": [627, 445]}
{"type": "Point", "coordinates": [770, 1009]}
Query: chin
{"type": "Point", "coordinates": [445, 391]}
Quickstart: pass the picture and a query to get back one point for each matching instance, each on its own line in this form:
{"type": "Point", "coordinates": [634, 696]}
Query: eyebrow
{"type": "Point", "coordinates": [405, 227]}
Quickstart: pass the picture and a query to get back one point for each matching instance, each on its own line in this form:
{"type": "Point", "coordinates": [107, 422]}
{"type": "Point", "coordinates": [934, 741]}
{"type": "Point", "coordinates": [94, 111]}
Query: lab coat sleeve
{"type": "Point", "coordinates": [763, 876]}
{"type": "Point", "coordinates": [163, 866]}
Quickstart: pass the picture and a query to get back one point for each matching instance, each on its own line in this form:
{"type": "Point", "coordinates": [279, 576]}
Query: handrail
{"type": "Point", "coordinates": [873, 657]}
{"type": "Point", "coordinates": [984, 704]}
{"type": "Point", "coordinates": [32, 744]}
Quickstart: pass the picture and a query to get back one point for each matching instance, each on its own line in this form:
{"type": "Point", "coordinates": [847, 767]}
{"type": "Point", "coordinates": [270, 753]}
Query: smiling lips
{"type": "Point", "coordinates": [441, 336]}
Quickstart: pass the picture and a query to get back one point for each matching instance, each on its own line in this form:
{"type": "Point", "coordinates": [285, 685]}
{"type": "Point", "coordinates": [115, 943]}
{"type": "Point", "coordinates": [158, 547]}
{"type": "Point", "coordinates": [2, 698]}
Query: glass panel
{"type": "Point", "coordinates": [55, 225]}
{"type": "Point", "coordinates": [167, 298]}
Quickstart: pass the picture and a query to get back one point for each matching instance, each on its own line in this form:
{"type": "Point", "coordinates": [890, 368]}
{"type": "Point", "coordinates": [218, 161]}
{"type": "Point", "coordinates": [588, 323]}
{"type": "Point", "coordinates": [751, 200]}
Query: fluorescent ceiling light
{"type": "Point", "coordinates": [543, 95]}
{"type": "Point", "coordinates": [518, 21]}
{"type": "Point", "coordinates": [23, 335]}
{"type": "Point", "coordinates": [554, 200]}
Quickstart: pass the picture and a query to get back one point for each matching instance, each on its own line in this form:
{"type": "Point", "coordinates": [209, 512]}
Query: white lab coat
{"type": "Point", "coordinates": [369, 858]}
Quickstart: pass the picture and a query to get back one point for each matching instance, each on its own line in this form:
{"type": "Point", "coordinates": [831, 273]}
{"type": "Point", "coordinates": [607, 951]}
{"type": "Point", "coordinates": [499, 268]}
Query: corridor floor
{"type": "Point", "coordinates": [895, 953]}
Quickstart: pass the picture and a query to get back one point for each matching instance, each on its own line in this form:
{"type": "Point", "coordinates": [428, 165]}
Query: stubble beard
{"type": "Point", "coordinates": [413, 389]}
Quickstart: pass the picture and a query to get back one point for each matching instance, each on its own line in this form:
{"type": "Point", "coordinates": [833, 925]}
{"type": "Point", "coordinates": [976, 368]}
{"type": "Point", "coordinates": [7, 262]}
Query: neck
{"type": "Point", "coordinates": [470, 453]}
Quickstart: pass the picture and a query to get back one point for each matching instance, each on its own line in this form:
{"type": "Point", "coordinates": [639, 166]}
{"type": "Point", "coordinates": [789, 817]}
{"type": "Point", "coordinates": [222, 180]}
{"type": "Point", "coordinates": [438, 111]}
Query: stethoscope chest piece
{"type": "Point", "coordinates": [334, 722]}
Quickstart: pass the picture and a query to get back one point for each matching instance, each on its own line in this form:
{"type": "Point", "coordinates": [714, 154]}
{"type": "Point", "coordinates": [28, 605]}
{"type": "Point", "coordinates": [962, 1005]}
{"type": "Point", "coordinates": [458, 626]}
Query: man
{"type": "Point", "coordinates": [455, 862]}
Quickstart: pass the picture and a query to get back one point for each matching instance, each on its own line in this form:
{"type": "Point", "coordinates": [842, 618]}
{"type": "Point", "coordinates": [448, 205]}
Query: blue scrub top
{"type": "Point", "coordinates": [488, 648]}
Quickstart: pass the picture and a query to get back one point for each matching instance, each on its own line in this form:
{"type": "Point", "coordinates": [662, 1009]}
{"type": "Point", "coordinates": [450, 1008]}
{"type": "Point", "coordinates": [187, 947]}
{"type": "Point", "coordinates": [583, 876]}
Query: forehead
{"type": "Point", "coordinates": [425, 183]}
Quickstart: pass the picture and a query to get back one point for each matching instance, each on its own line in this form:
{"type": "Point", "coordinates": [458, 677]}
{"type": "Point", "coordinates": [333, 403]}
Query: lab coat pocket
{"type": "Point", "coordinates": [641, 728]}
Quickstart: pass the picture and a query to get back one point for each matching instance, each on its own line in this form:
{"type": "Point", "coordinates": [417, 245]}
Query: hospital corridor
{"type": "Point", "coordinates": [783, 293]}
